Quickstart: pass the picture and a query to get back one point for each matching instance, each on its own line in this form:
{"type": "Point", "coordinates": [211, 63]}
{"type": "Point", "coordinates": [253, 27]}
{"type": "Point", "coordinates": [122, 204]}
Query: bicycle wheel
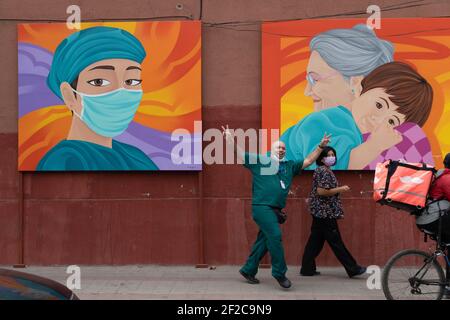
{"type": "Point", "coordinates": [413, 275]}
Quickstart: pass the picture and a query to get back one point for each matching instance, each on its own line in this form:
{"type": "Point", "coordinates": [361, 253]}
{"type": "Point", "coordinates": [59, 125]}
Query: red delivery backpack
{"type": "Point", "coordinates": [402, 185]}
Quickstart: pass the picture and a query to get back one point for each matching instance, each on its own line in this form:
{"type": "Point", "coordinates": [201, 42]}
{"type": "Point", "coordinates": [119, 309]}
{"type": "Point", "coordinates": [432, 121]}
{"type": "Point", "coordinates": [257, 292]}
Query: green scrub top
{"type": "Point", "coordinates": [304, 137]}
{"type": "Point", "coordinates": [271, 186]}
{"type": "Point", "coordinates": [76, 155]}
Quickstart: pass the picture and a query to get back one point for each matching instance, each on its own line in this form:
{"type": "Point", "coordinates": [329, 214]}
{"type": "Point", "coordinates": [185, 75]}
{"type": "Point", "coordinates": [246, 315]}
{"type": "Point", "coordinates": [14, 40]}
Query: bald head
{"type": "Point", "coordinates": [279, 149]}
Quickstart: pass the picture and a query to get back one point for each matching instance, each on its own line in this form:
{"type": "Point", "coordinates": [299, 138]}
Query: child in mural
{"type": "Point", "coordinates": [97, 73]}
{"type": "Point", "coordinates": [389, 96]}
{"type": "Point", "coordinates": [339, 61]}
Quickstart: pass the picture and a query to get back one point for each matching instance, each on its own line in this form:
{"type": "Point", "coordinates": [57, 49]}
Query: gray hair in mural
{"type": "Point", "coordinates": [352, 52]}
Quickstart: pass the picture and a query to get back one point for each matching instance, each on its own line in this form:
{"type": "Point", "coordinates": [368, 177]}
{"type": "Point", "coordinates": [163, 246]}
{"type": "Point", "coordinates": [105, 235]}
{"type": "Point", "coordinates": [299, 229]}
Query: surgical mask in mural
{"type": "Point", "coordinates": [109, 114]}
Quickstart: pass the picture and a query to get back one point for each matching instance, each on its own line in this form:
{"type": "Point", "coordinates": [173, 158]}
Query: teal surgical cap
{"type": "Point", "coordinates": [88, 46]}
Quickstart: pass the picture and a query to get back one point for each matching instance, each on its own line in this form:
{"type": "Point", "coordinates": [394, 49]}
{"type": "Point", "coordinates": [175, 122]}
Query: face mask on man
{"type": "Point", "coordinates": [109, 114]}
{"type": "Point", "coordinates": [329, 161]}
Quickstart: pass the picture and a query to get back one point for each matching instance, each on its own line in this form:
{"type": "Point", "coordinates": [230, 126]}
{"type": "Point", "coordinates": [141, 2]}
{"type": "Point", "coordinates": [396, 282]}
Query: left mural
{"type": "Point", "coordinates": [109, 97]}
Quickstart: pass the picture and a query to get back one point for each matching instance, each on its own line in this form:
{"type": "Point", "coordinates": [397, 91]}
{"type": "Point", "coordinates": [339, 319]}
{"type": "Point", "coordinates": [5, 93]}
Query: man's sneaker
{"type": "Point", "coordinates": [361, 271]}
{"type": "Point", "coordinates": [315, 273]}
{"type": "Point", "coordinates": [250, 279]}
{"type": "Point", "coordinates": [284, 282]}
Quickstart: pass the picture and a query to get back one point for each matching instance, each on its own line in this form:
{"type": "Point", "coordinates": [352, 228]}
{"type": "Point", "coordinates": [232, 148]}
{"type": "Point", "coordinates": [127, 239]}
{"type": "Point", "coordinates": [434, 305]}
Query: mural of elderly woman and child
{"type": "Point", "coordinates": [374, 107]}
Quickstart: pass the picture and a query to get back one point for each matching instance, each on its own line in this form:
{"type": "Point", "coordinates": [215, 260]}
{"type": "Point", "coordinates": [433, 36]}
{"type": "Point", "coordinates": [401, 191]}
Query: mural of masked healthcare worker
{"type": "Point", "coordinates": [389, 96]}
{"type": "Point", "coordinates": [97, 73]}
{"type": "Point", "coordinates": [339, 61]}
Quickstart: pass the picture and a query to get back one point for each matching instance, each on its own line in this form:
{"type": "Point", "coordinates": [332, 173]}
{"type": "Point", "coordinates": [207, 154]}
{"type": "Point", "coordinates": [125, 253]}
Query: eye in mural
{"type": "Point", "coordinates": [380, 95]}
{"type": "Point", "coordinates": [109, 96]}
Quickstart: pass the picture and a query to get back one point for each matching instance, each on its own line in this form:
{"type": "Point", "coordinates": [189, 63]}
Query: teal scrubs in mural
{"type": "Point", "coordinates": [303, 138]}
{"type": "Point", "coordinates": [76, 155]}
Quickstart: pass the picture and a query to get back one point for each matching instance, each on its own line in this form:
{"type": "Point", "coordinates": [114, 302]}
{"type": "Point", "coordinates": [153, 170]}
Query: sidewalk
{"type": "Point", "coordinates": [223, 282]}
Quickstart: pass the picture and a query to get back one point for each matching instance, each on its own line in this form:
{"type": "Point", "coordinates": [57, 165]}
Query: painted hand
{"type": "Point", "coordinates": [385, 137]}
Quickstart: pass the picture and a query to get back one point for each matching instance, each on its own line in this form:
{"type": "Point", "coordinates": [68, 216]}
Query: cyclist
{"type": "Point", "coordinates": [441, 190]}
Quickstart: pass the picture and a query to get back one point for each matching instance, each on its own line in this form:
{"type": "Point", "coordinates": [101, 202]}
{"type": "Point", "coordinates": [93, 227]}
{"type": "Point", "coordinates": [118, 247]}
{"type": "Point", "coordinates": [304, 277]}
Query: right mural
{"type": "Point", "coordinates": [381, 94]}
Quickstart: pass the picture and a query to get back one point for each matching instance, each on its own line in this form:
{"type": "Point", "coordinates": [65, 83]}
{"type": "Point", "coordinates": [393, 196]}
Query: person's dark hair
{"type": "Point", "coordinates": [324, 154]}
{"type": "Point", "coordinates": [447, 161]}
{"type": "Point", "coordinates": [408, 89]}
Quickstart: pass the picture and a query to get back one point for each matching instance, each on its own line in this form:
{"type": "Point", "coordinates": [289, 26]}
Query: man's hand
{"type": "Point", "coordinates": [229, 137]}
{"type": "Point", "coordinates": [315, 154]}
{"type": "Point", "coordinates": [325, 140]}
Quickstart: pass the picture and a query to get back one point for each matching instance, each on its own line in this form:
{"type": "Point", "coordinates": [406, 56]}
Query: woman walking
{"type": "Point", "coordinates": [326, 208]}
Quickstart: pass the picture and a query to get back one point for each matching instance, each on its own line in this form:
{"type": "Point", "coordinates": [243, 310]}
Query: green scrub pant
{"type": "Point", "coordinates": [269, 239]}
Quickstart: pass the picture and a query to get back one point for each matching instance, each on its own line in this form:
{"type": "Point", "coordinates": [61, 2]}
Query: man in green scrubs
{"type": "Point", "coordinates": [272, 177]}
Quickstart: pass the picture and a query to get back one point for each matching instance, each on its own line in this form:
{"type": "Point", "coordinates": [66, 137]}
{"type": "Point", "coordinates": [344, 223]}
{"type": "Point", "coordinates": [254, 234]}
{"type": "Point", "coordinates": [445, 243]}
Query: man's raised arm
{"type": "Point", "coordinates": [229, 138]}
{"type": "Point", "coordinates": [311, 158]}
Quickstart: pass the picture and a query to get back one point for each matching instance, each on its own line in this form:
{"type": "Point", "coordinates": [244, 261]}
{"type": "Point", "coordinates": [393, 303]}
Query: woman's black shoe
{"type": "Point", "coordinates": [250, 279]}
{"type": "Point", "coordinates": [361, 271]}
{"type": "Point", "coordinates": [284, 282]}
{"type": "Point", "coordinates": [315, 273]}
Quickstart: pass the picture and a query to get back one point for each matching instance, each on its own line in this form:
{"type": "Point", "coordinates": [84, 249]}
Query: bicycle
{"type": "Point", "coordinates": [415, 274]}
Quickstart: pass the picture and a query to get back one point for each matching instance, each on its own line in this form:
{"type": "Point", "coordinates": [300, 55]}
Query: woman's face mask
{"type": "Point", "coordinates": [329, 161]}
{"type": "Point", "coordinates": [109, 114]}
